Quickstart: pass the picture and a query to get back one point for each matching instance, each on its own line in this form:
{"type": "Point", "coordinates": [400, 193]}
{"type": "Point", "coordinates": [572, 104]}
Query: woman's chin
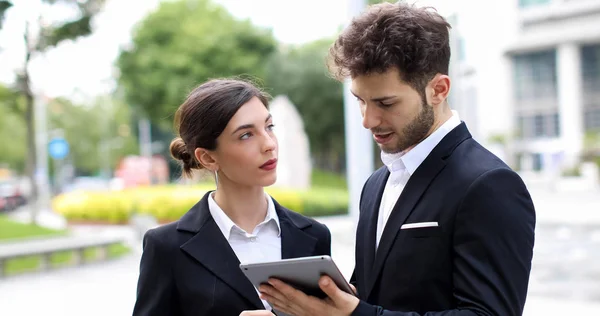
{"type": "Point", "coordinates": [269, 180]}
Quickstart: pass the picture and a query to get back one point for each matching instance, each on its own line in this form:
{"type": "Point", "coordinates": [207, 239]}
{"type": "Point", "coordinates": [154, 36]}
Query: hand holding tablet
{"type": "Point", "coordinates": [302, 273]}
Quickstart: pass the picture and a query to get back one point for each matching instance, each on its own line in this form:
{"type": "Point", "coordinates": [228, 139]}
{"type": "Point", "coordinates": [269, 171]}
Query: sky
{"type": "Point", "coordinates": [84, 68]}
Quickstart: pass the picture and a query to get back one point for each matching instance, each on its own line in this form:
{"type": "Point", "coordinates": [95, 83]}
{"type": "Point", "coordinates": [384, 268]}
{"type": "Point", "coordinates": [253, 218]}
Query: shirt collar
{"type": "Point", "coordinates": [225, 224]}
{"type": "Point", "coordinates": [413, 158]}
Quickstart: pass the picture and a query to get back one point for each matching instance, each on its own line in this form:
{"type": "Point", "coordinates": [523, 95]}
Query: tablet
{"type": "Point", "coordinates": [301, 273]}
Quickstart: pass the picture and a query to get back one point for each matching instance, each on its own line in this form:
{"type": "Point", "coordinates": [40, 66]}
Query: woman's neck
{"type": "Point", "coordinates": [245, 206]}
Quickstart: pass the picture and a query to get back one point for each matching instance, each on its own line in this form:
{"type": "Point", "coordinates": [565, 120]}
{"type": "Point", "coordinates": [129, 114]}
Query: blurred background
{"type": "Point", "coordinates": [88, 89]}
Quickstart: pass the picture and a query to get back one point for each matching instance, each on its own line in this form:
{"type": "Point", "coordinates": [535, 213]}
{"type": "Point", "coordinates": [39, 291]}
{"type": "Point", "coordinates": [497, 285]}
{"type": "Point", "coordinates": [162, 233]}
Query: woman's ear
{"type": "Point", "coordinates": [206, 159]}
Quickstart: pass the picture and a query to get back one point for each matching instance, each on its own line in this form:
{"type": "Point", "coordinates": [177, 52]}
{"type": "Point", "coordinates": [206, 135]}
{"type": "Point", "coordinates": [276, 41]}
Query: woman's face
{"type": "Point", "coordinates": [246, 151]}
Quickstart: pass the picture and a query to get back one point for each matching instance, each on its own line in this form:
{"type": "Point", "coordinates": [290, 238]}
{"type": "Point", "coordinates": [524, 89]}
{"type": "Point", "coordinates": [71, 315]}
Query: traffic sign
{"type": "Point", "coordinates": [58, 148]}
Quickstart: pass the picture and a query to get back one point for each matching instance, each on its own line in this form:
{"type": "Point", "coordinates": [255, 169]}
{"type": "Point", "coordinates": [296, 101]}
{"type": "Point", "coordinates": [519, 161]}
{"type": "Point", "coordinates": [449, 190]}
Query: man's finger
{"type": "Point", "coordinates": [353, 289]}
{"type": "Point", "coordinates": [289, 292]}
{"type": "Point", "coordinates": [273, 293]}
{"type": "Point", "coordinates": [274, 301]}
{"type": "Point", "coordinates": [328, 286]}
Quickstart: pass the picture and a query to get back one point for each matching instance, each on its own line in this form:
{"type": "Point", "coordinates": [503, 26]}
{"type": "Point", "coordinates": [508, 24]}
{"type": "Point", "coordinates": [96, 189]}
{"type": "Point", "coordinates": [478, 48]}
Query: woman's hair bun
{"type": "Point", "coordinates": [179, 152]}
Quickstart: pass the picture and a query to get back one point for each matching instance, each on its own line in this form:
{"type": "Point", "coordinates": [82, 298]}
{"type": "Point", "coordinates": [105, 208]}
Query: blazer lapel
{"type": "Point", "coordinates": [414, 189]}
{"type": "Point", "coordinates": [210, 248]}
{"type": "Point", "coordinates": [294, 241]}
{"type": "Point", "coordinates": [371, 200]}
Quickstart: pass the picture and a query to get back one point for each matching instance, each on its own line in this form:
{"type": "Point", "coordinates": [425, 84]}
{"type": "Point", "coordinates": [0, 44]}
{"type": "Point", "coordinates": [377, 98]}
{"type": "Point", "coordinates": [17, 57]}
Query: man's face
{"type": "Point", "coordinates": [395, 113]}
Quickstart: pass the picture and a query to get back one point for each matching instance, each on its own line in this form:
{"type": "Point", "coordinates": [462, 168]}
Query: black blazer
{"type": "Point", "coordinates": [188, 268]}
{"type": "Point", "coordinates": [476, 262]}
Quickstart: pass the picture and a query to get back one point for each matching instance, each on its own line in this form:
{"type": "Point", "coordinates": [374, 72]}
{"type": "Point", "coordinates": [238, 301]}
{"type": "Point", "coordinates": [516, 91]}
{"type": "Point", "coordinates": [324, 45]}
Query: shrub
{"type": "Point", "coordinates": [169, 203]}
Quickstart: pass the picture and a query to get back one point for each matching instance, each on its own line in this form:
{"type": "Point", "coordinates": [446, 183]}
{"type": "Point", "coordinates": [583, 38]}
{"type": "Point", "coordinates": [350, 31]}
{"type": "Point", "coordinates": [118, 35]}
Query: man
{"type": "Point", "coordinates": [445, 228]}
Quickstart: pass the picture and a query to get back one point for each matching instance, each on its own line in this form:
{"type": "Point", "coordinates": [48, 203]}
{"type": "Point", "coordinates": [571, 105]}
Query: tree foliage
{"type": "Point", "coordinates": [38, 40]}
{"type": "Point", "coordinates": [301, 74]}
{"type": "Point", "coordinates": [181, 45]}
{"type": "Point", "coordinates": [370, 2]}
{"type": "Point", "coordinates": [95, 133]}
{"type": "Point", "coordinates": [12, 130]}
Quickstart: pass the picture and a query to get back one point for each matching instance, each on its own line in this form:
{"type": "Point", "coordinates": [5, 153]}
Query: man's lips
{"type": "Point", "coordinates": [382, 137]}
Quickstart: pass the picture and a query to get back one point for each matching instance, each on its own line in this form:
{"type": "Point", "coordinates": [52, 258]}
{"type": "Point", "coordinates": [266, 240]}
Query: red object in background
{"type": "Point", "coordinates": [140, 171]}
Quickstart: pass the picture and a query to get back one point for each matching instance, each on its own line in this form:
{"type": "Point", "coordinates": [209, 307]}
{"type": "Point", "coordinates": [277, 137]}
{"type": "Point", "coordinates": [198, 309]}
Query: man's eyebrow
{"type": "Point", "coordinates": [379, 99]}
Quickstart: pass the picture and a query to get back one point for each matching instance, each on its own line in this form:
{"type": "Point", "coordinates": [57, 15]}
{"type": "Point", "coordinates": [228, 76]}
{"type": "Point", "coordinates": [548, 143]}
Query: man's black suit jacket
{"type": "Point", "coordinates": [476, 262]}
{"type": "Point", "coordinates": [188, 268]}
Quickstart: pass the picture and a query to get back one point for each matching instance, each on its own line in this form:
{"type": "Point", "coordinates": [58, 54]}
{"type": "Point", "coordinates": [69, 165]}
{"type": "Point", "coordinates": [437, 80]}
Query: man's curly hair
{"type": "Point", "coordinates": [414, 40]}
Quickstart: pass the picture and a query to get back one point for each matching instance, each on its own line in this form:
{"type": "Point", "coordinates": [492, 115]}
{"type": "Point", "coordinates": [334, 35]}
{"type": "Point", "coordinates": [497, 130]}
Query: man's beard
{"type": "Point", "coordinates": [415, 131]}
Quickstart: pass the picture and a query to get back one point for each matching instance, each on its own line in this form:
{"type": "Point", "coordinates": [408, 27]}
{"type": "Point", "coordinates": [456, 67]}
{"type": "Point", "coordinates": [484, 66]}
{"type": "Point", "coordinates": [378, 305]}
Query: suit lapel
{"type": "Point", "coordinates": [210, 248]}
{"type": "Point", "coordinates": [371, 201]}
{"type": "Point", "coordinates": [294, 241]}
{"type": "Point", "coordinates": [414, 189]}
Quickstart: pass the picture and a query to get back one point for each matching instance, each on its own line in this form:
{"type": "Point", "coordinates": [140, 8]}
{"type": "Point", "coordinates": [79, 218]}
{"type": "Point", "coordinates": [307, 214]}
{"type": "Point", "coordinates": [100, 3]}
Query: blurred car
{"type": "Point", "coordinates": [11, 195]}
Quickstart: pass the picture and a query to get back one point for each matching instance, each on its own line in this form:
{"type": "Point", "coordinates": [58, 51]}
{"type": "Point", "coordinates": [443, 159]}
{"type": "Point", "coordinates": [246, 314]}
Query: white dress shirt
{"type": "Point", "coordinates": [403, 165]}
{"type": "Point", "coordinates": [263, 244]}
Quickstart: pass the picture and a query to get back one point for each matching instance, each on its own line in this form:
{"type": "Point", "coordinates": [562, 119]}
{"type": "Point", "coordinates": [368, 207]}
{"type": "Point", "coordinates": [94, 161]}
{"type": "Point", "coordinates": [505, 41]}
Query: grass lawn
{"type": "Point", "coordinates": [11, 231]}
{"type": "Point", "coordinates": [327, 179]}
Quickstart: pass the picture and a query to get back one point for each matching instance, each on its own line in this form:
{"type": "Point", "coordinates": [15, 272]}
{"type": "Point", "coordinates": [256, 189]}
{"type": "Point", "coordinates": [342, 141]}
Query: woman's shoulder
{"type": "Point", "coordinates": [161, 236]}
{"type": "Point", "coordinates": [305, 222]}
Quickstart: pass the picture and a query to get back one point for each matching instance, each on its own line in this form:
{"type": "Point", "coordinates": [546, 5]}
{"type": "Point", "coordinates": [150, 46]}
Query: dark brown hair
{"type": "Point", "coordinates": [414, 40]}
{"type": "Point", "coordinates": [205, 114]}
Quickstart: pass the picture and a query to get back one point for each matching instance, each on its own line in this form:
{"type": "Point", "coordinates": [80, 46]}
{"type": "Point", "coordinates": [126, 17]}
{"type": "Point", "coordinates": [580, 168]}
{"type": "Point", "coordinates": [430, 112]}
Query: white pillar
{"type": "Point", "coordinates": [570, 102]}
{"type": "Point", "coordinates": [359, 141]}
{"type": "Point", "coordinates": [41, 142]}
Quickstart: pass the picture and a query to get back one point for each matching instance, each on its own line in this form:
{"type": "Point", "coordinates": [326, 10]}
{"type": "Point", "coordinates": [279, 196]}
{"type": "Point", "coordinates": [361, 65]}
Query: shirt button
{"type": "Point", "coordinates": [252, 239]}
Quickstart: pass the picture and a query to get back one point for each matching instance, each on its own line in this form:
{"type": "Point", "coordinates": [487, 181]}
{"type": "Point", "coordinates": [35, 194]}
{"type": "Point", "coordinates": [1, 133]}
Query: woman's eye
{"type": "Point", "coordinates": [271, 127]}
{"type": "Point", "coordinates": [245, 136]}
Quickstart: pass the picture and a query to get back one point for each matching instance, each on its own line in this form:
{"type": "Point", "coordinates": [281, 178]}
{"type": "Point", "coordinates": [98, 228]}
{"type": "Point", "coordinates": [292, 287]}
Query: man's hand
{"type": "Point", "coordinates": [294, 302]}
{"type": "Point", "coordinates": [261, 312]}
{"type": "Point", "coordinates": [353, 289]}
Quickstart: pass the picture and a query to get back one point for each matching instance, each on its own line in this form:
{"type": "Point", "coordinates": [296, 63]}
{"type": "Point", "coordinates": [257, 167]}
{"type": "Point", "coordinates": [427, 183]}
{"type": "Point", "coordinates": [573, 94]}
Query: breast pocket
{"type": "Point", "coordinates": [421, 232]}
{"type": "Point", "coordinates": [416, 253]}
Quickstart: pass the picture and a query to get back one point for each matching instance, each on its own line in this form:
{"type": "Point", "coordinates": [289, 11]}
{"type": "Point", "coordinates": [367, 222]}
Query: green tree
{"type": "Point", "coordinates": [98, 134]}
{"type": "Point", "coordinates": [4, 6]}
{"type": "Point", "coordinates": [12, 129]}
{"type": "Point", "coordinates": [182, 44]}
{"type": "Point", "coordinates": [38, 38]}
{"type": "Point", "coordinates": [370, 2]}
{"type": "Point", "coordinates": [301, 74]}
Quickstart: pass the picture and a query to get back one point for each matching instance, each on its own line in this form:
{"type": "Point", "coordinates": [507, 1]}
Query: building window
{"type": "Point", "coordinates": [538, 126]}
{"type": "Point", "coordinates": [530, 3]}
{"type": "Point", "coordinates": [537, 162]}
{"type": "Point", "coordinates": [590, 71]}
{"type": "Point", "coordinates": [592, 119]}
{"type": "Point", "coordinates": [536, 98]}
{"type": "Point", "coordinates": [535, 75]}
{"type": "Point", "coordinates": [461, 49]}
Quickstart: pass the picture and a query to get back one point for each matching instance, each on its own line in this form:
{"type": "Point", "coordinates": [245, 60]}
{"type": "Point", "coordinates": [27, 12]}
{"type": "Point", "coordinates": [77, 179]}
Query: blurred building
{"type": "Point", "coordinates": [527, 71]}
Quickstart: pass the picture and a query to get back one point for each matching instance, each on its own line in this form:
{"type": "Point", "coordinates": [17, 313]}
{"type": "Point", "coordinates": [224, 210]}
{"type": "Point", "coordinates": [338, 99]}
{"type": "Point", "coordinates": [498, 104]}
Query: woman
{"type": "Point", "coordinates": [191, 267]}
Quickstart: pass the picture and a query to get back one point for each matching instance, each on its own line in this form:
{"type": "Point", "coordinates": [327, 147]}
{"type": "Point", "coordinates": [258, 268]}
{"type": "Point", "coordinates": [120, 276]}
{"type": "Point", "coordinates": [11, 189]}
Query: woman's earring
{"type": "Point", "coordinates": [216, 178]}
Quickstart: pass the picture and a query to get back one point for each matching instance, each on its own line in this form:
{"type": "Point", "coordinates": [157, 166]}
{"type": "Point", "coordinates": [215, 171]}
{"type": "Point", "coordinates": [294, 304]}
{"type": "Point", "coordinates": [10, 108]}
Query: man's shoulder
{"type": "Point", "coordinates": [474, 159]}
{"type": "Point", "coordinates": [472, 164]}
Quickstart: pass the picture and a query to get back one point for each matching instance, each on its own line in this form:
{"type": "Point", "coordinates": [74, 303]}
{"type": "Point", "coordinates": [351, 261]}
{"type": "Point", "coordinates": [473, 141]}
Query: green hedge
{"type": "Point", "coordinates": [169, 203]}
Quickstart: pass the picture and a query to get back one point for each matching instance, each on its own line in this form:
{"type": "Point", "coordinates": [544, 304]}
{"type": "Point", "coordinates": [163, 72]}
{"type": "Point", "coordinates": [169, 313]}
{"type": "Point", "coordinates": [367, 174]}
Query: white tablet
{"type": "Point", "coordinates": [301, 273]}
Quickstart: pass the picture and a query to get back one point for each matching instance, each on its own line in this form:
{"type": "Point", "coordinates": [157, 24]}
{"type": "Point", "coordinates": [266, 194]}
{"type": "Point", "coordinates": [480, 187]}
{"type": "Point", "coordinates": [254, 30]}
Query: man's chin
{"type": "Point", "coordinates": [389, 149]}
